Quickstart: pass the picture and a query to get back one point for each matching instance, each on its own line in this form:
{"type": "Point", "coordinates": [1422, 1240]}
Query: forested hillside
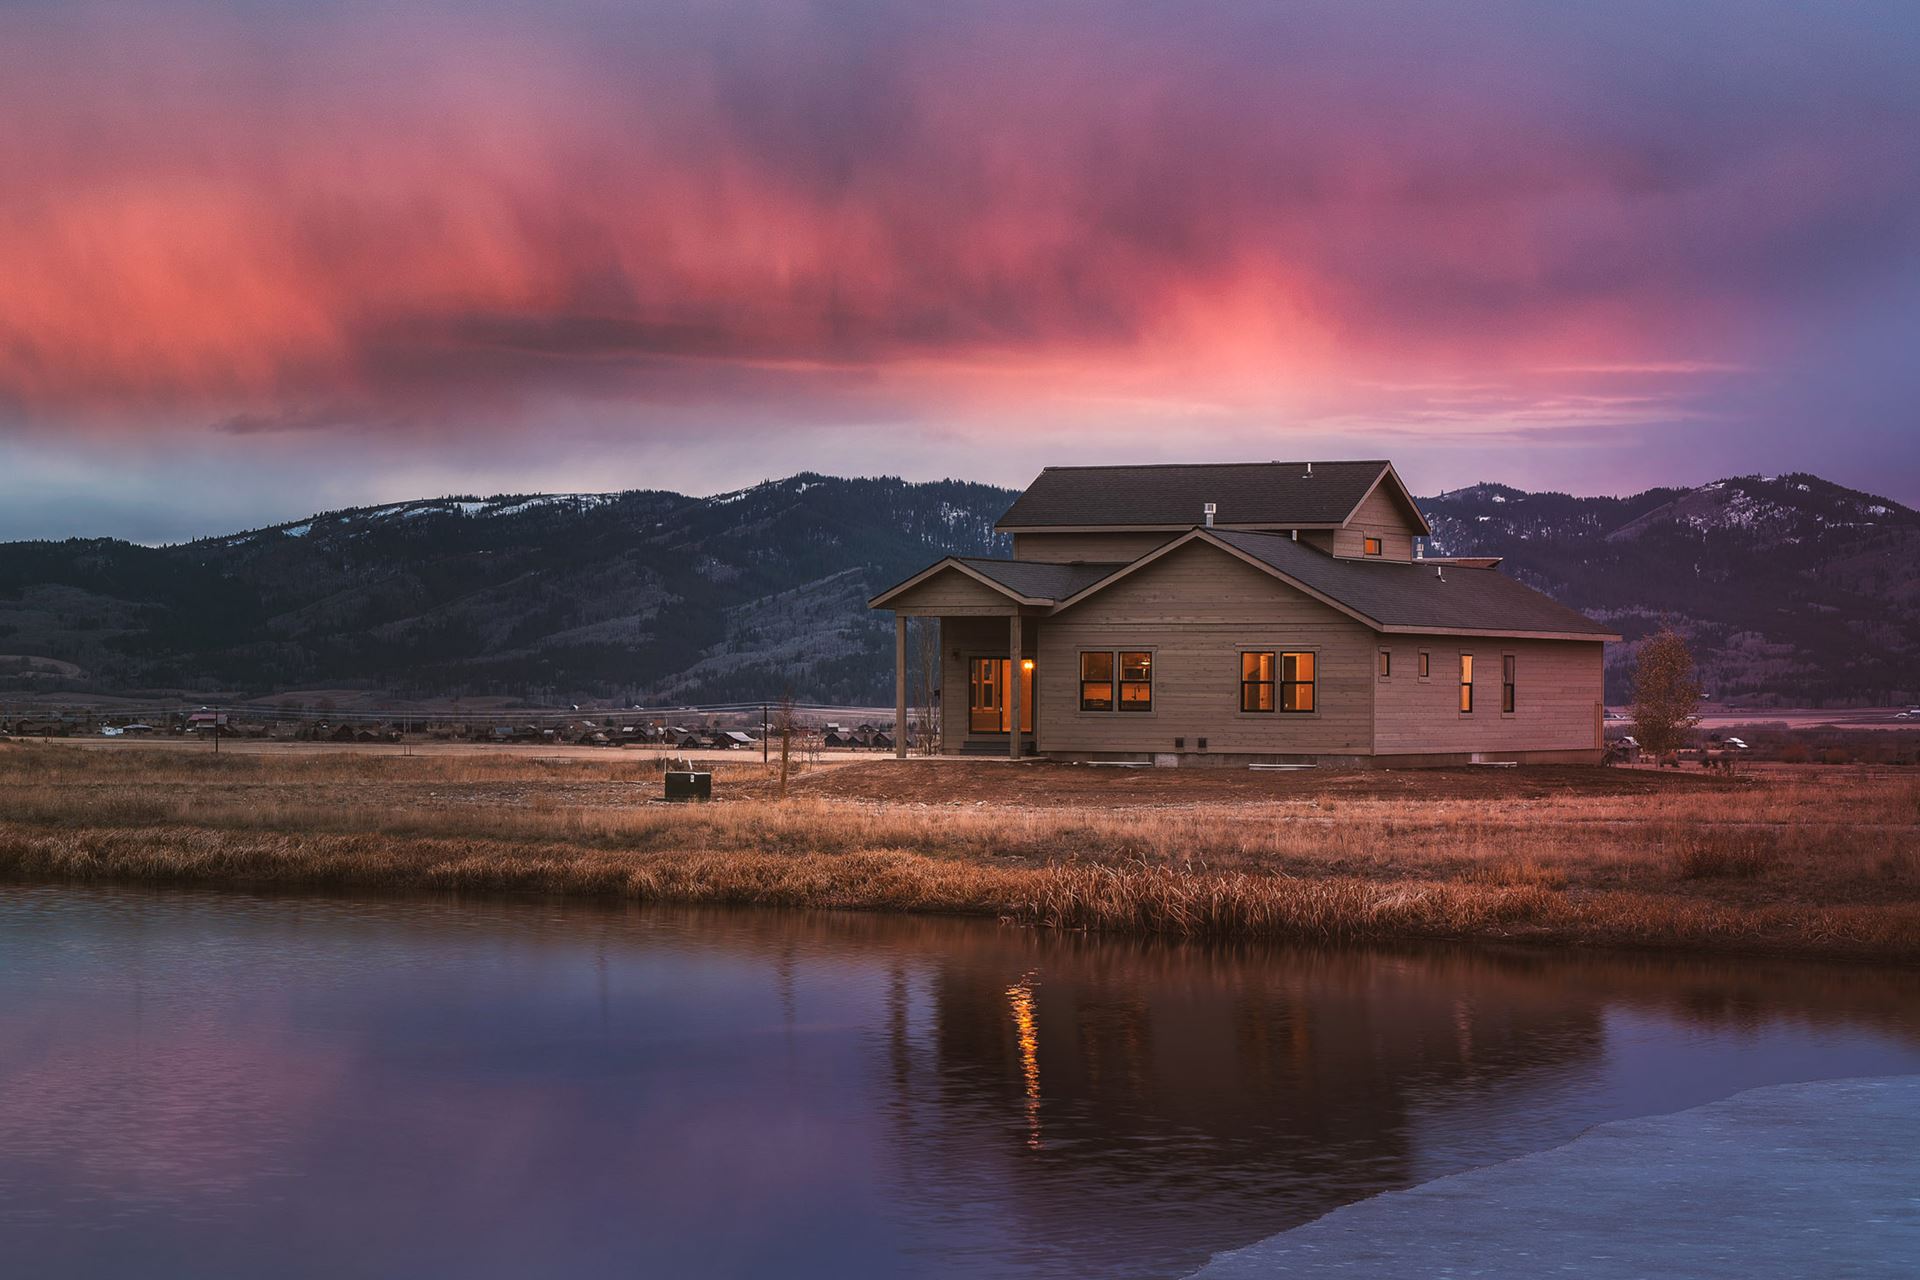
{"type": "Point", "coordinates": [1793, 590]}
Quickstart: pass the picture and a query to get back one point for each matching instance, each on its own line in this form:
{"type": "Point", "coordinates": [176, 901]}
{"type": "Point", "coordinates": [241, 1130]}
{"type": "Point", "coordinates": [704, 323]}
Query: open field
{"type": "Point", "coordinates": [1808, 860]}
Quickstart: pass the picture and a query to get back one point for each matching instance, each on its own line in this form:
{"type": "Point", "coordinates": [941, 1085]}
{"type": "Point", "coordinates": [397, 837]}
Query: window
{"type": "Point", "coordinates": [1136, 681]}
{"type": "Point", "coordinates": [1096, 681]}
{"type": "Point", "coordinates": [1506, 683]}
{"type": "Point", "coordinates": [1256, 681]}
{"type": "Point", "coordinates": [1372, 546]}
{"type": "Point", "coordinates": [1425, 665]}
{"type": "Point", "coordinates": [1296, 682]}
{"type": "Point", "coordinates": [1466, 682]}
{"type": "Point", "coordinates": [1386, 663]}
{"type": "Point", "coordinates": [1110, 681]}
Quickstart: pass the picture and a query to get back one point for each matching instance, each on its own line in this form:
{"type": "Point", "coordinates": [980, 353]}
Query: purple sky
{"type": "Point", "coordinates": [260, 259]}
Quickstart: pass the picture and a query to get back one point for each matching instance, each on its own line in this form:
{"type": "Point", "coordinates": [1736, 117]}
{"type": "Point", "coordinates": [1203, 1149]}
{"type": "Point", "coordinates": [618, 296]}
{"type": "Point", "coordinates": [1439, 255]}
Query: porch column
{"type": "Point", "coordinates": [900, 686]}
{"type": "Point", "coordinates": [1013, 687]}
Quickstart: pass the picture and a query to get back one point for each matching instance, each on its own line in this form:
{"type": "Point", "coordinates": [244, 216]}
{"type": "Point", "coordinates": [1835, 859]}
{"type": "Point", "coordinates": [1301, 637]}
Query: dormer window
{"type": "Point", "coordinates": [1372, 546]}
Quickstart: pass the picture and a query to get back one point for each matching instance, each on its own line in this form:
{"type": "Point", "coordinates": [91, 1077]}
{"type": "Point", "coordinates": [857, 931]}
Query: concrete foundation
{"type": "Point", "coordinates": [1240, 760]}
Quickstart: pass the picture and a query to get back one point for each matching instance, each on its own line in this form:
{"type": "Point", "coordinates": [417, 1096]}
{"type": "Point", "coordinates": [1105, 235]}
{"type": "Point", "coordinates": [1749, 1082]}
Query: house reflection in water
{"type": "Point", "coordinates": [485, 1089]}
{"type": "Point", "coordinates": [1212, 1097]}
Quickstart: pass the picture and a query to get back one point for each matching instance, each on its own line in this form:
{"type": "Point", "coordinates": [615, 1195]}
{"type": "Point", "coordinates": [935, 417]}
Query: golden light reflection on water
{"type": "Point", "coordinates": [1027, 1028]}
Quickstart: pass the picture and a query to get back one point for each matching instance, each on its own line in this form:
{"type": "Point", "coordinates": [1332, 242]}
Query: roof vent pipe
{"type": "Point", "coordinates": [1309, 471]}
{"type": "Point", "coordinates": [1207, 511]}
{"type": "Point", "coordinates": [1296, 535]}
{"type": "Point", "coordinates": [1440, 572]}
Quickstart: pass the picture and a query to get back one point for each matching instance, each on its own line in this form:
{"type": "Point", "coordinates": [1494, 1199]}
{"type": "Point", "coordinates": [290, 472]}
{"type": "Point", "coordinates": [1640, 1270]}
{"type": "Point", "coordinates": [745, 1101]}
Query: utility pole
{"type": "Point", "coordinates": [763, 735]}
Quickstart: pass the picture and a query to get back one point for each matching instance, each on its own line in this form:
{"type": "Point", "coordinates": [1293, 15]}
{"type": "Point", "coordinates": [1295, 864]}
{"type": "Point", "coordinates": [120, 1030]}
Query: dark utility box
{"type": "Point", "coordinates": [684, 785]}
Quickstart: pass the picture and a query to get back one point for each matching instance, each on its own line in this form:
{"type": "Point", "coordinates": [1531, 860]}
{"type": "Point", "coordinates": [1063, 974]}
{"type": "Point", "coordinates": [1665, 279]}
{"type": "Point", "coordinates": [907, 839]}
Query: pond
{"type": "Point", "coordinates": [222, 1085]}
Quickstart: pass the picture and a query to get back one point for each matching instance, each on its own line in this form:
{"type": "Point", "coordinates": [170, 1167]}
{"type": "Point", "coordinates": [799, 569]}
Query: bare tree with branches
{"type": "Point", "coordinates": [928, 644]}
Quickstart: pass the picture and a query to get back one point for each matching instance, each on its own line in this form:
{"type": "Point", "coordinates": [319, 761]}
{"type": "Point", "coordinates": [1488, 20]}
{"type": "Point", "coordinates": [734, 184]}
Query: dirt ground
{"type": "Point", "coordinates": [470, 750]}
{"type": "Point", "coordinates": [1048, 784]}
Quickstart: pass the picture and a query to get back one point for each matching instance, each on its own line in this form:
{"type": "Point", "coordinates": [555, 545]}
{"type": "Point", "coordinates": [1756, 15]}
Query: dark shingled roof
{"type": "Point", "coordinates": [1273, 494]}
{"type": "Point", "coordinates": [1038, 580]}
{"type": "Point", "coordinates": [1401, 594]}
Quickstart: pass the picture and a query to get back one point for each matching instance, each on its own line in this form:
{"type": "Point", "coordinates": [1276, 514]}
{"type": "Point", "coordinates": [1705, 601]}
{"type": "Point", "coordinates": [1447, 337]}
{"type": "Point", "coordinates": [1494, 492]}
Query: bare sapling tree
{"type": "Point", "coordinates": [783, 724]}
{"type": "Point", "coordinates": [928, 638]}
{"type": "Point", "coordinates": [1666, 693]}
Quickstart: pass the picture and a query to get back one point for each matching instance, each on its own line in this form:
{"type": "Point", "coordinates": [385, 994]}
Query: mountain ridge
{"type": "Point", "coordinates": [1794, 589]}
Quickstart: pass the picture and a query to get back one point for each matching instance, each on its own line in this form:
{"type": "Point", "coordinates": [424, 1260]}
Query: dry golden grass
{"type": "Point", "coordinates": [1828, 867]}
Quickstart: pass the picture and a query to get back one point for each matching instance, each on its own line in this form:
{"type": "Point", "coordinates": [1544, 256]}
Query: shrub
{"type": "Point", "coordinates": [1721, 855]}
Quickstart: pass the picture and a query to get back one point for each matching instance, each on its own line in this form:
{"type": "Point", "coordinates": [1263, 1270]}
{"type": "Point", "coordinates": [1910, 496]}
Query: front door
{"type": "Point", "coordinates": [988, 710]}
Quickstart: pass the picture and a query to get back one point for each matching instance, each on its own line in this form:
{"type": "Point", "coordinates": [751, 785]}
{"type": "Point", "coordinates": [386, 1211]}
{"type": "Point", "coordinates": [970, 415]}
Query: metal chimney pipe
{"type": "Point", "coordinates": [1207, 514]}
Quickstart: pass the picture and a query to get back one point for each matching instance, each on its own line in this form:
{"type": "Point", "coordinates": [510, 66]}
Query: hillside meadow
{"type": "Point", "coordinates": [1809, 860]}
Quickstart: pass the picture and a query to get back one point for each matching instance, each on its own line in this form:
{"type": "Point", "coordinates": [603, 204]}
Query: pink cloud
{"type": "Point", "coordinates": [461, 218]}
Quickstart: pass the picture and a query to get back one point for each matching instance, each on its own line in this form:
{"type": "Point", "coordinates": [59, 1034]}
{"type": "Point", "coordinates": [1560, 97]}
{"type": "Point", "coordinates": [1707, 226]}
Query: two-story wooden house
{"type": "Point", "coordinates": [1240, 613]}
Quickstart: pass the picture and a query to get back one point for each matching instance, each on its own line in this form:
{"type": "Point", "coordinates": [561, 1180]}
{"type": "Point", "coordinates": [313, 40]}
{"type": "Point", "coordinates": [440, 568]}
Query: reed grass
{"type": "Point", "coordinates": [1782, 866]}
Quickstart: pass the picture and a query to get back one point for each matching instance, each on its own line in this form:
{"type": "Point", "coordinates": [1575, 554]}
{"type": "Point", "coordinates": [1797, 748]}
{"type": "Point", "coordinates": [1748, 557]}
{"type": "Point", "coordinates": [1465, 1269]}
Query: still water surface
{"type": "Point", "coordinates": [224, 1086]}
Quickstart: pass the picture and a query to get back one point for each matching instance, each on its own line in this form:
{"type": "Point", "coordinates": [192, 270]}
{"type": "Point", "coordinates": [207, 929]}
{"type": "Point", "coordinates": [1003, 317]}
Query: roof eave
{"type": "Point", "coordinates": [1492, 633]}
{"type": "Point", "coordinates": [1264, 526]}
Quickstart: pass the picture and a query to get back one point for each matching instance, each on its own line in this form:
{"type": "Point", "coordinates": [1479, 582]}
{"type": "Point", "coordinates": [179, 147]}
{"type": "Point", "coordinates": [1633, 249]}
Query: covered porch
{"type": "Point", "coordinates": [988, 638]}
{"type": "Point", "coordinates": [986, 682]}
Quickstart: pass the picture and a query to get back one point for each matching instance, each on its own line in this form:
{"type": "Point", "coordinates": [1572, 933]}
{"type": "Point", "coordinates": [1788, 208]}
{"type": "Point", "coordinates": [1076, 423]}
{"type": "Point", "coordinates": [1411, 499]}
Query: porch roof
{"type": "Point", "coordinates": [1029, 582]}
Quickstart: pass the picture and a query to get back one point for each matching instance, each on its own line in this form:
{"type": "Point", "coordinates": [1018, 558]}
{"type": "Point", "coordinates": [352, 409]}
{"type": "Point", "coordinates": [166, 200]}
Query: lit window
{"type": "Point", "coordinates": [1425, 667]}
{"type": "Point", "coordinates": [1136, 681]}
{"type": "Point", "coordinates": [1373, 546]}
{"type": "Point", "coordinates": [1386, 663]}
{"type": "Point", "coordinates": [1256, 681]}
{"type": "Point", "coordinates": [1506, 683]}
{"type": "Point", "coordinates": [1466, 682]}
{"type": "Point", "coordinates": [1296, 682]}
{"type": "Point", "coordinates": [1096, 681]}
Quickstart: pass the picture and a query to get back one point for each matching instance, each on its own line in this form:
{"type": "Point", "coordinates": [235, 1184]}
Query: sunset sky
{"type": "Point", "coordinates": [258, 259]}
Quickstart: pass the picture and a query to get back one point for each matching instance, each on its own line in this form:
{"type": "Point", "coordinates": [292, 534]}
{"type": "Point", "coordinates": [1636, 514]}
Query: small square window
{"type": "Point", "coordinates": [1372, 546]}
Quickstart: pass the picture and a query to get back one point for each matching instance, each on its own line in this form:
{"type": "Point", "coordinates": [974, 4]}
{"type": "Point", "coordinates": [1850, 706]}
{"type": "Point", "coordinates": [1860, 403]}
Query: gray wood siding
{"type": "Point", "coordinates": [952, 592]}
{"type": "Point", "coordinates": [1063, 548]}
{"type": "Point", "coordinates": [1557, 685]}
{"type": "Point", "coordinates": [1197, 609]}
{"type": "Point", "coordinates": [1378, 517]}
